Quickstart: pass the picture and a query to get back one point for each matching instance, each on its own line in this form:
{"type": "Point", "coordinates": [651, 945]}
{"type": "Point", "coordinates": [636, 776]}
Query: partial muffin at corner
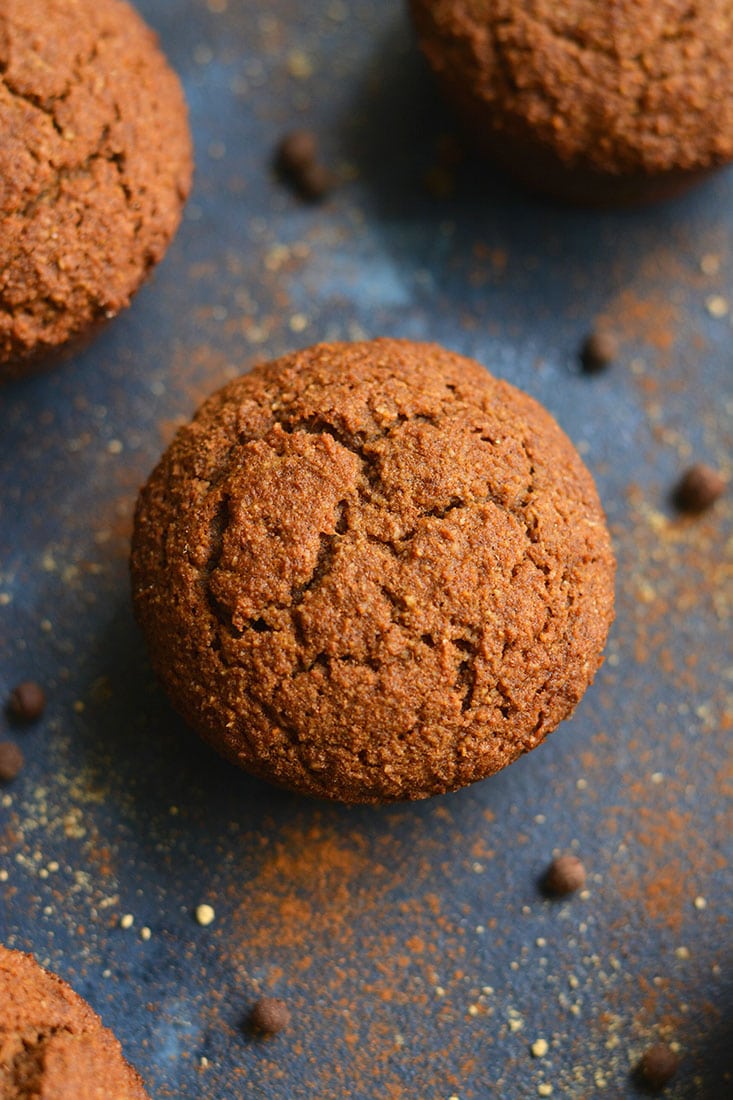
{"type": "Point", "coordinates": [372, 572]}
{"type": "Point", "coordinates": [599, 101]}
{"type": "Point", "coordinates": [51, 1042]}
{"type": "Point", "coordinates": [95, 166]}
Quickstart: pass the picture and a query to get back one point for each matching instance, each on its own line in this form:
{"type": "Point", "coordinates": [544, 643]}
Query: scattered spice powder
{"type": "Point", "coordinates": [649, 318]}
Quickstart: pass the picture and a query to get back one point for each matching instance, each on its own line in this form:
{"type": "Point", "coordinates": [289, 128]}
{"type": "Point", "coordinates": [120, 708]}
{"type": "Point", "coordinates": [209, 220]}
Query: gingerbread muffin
{"type": "Point", "coordinates": [600, 101]}
{"type": "Point", "coordinates": [52, 1045]}
{"type": "Point", "coordinates": [95, 166]}
{"type": "Point", "coordinates": [372, 572]}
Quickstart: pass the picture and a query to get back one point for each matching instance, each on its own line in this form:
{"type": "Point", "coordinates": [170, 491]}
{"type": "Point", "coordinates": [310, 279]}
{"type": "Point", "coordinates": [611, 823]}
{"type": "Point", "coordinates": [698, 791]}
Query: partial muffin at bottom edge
{"type": "Point", "coordinates": [52, 1043]}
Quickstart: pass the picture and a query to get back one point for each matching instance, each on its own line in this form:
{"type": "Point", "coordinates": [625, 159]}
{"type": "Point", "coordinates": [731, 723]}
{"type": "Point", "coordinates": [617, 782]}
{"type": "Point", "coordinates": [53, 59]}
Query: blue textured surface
{"type": "Point", "coordinates": [412, 942]}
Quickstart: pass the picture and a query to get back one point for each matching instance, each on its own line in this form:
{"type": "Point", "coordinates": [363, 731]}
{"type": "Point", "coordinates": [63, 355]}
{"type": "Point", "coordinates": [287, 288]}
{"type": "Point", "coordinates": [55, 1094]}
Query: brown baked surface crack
{"type": "Point", "coordinates": [95, 165]}
{"type": "Point", "coordinates": [612, 88]}
{"type": "Point", "coordinates": [372, 571]}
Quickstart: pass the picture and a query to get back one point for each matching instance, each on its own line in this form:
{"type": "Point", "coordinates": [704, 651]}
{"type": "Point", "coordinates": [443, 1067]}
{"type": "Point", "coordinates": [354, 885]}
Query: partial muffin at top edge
{"type": "Point", "coordinates": [95, 167]}
{"type": "Point", "coordinates": [372, 571]}
{"type": "Point", "coordinates": [592, 101]}
{"type": "Point", "coordinates": [52, 1043]}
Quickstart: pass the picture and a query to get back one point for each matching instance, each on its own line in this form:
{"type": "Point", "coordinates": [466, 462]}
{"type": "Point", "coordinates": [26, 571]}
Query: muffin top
{"type": "Point", "coordinates": [372, 571]}
{"type": "Point", "coordinates": [621, 86]}
{"type": "Point", "coordinates": [95, 164]}
{"type": "Point", "coordinates": [51, 1042]}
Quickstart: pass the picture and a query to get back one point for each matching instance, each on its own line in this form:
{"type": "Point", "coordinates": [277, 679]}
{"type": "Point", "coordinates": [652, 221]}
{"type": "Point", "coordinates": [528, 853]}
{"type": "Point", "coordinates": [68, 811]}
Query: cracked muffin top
{"type": "Point", "coordinates": [95, 165]}
{"type": "Point", "coordinates": [372, 572]}
{"type": "Point", "coordinates": [52, 1045]}
{"type": "Point", "coordinates": [616, 88]}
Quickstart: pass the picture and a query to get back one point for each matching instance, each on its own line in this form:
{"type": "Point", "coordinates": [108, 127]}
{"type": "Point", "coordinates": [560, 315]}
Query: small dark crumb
{"type": "Point", "coordinates": [598, 351]}
{"type": "Point", "coordinates": [698, 488]}
{"type": "Point", "coordinates": [297, 161]}
{"type": "Point", "coordinates": [315, 181]}
{"type": "Point", "coordinates": [27, 702]}
{"type": "Point", "coordinates": [269, 1016]}
{"type": "Point", "coordinates": [11, 761]}
{"type": "Point", "coordinates": [657, 1067]}
{"type": "Point", "coordinates": [296, 151]}
{"type": "Point", "coordinates": [565, 875]}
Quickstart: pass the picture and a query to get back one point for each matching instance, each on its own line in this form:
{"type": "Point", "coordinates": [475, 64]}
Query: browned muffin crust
{"type": "Point", "coordinates": [95, 165]}
{"type": "Point", "coordinates": [372, 571]}
{"type": "Point", "coordinates": [52, 1045]}
{"type": "Point", "coordinates": [596, 100]}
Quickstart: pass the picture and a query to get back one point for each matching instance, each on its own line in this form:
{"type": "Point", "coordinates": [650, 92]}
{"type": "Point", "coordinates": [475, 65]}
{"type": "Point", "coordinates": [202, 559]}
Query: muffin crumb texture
{"type": "Point", "coordinates": [51, 1042]}
{"type": "Point", "coordinates": [95, 165]}
{"type": "Point", "coordinates": [372, 571]}
{"type": "Point", "coordinates": [594, 99]}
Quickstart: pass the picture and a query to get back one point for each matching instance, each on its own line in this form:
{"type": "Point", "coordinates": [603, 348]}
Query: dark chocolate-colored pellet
{"type": "Point", "coordinates": [296, 151]}
{"type": "Point", "coordinates": [598, 351]}
{"type": "Point", "coordinates": [698, 488]}
{"type": "Point", "coordinates": [297, 161]}
{"type": "Point", "coordinates": [657, 1067]}
{"type": "Point", "coordinates": [269, 1016]}
{"type": "Point", "coordinates": [11, 761]}
{"type": "Point", "coordinates": [565, 875]}
{"type": "Point", "coordinates": [315, 181]}
{"type": "Point", "coordinates": [27, 702]}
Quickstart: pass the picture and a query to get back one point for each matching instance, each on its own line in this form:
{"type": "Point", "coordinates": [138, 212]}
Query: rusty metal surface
{"type": "Point", "coordinates": [412, 943]}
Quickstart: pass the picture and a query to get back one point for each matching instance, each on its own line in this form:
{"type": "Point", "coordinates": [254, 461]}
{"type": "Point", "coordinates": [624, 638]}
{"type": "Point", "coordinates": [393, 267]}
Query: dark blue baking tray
{"type": "Point", "coordinates": [412, 943]}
